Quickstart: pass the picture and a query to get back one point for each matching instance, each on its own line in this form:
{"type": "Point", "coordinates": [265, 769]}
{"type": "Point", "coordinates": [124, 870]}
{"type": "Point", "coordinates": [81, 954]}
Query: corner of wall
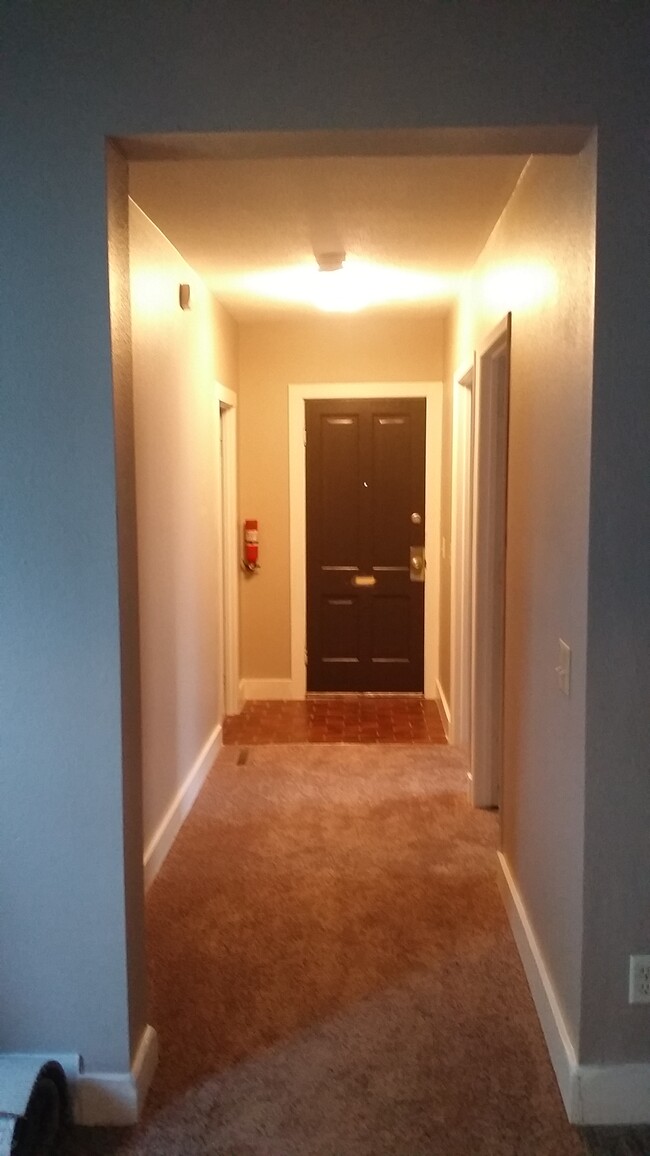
{"type": "Point", "coordinates": [117, 182]}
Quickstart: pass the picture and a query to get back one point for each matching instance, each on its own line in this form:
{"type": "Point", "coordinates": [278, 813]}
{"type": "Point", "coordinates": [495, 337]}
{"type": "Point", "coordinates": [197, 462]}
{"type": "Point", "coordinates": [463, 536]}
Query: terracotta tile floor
{"type": "Point", "coordinates": [349, 718]}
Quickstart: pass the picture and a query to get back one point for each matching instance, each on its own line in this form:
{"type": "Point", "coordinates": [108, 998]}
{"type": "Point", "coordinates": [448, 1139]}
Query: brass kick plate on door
{"type": "Point", "coordinates": [364, 580]}
{"type": "Point", "coordinates": [416, 563]}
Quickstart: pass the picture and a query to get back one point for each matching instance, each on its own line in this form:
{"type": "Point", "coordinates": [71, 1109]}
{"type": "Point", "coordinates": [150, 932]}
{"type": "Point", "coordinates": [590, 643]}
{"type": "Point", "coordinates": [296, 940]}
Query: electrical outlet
{"type": "Point", "coordinates": [639, 979]}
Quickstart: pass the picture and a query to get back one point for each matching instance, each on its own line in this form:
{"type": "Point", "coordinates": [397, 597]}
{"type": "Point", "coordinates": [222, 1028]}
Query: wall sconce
{"type": "Point", "coordinates": [184, 296]}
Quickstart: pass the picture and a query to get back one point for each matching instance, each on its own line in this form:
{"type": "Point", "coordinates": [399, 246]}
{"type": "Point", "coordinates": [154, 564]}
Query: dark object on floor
{"type": "Point", "coordinates": [617, 1141]}
{"type": "Point", "coordinates": [38, 1132]}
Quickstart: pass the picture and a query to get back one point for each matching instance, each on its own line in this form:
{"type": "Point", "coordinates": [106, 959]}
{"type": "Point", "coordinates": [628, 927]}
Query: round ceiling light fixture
{"type": "Point", "coordinates": [330, 262]}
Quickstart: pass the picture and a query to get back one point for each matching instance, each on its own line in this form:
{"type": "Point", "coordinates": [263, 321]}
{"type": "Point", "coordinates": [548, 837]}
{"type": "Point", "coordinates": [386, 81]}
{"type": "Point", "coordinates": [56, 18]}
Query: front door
{"type": "Point", "coordinates": [365, 462]}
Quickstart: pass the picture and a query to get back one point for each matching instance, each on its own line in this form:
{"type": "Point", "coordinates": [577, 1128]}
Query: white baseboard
{"type": "Point", "coordinates": [163, 837]}
{"type": "Point", "coordinates": [555, 1031]}
{"type": "Point", "coordinates": [266, 688]}
{"type": "Point", "coordinates": [116, 1098]}
{"type": "Point", "coordinates": [446, 713]}
{"type": "Point", "coordinates": [592, 1093]}
{"type": "Point", "coordinates": [614, 1093]}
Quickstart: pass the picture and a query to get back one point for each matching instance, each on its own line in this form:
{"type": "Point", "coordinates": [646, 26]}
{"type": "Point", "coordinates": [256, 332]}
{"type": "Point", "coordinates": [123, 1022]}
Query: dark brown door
{"type": "Point", "coordinates": [365, 514]}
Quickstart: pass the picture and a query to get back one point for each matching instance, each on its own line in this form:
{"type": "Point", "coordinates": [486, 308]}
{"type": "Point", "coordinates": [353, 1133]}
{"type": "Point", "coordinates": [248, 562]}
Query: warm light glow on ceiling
{"type": "Point", "coordinates": [357, 285]}
{"type": "Point", "coordinates": [517, 287]}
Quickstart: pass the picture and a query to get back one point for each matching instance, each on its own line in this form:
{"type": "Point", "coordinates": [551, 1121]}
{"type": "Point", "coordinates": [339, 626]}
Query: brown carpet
{"type": "Point", "coordinates": [332, 972]}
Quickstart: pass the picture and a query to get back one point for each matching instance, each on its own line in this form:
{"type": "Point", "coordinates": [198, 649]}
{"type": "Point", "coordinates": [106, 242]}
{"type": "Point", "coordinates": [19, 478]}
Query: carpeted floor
{"type": "Point", "coordinates": [332, 972]}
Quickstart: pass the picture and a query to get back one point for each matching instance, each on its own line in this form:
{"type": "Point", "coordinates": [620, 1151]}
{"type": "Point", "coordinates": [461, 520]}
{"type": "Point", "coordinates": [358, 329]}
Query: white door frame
{"type": "Point", "coordinates": [491, 398]}
{"type": "Point", "coordinates": [228, 537]}
{"type": "Point", "coordinates": [431, 391]}
{"type": "Point", "coordinates": [461, 559]}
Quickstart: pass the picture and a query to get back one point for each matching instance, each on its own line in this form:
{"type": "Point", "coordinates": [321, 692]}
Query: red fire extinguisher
{"type": "Point", "coordinates": [251, 545]}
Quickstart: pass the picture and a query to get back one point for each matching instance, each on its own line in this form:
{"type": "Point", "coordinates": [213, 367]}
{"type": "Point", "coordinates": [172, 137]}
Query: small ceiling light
{"type": "Point", "coordinates": [330, 262]}
{"type": "Point", "coordinates": [184, 296]}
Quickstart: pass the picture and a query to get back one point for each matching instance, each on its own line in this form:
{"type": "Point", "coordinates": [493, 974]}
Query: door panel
{"type": "Point", "coordinates": [391, 490]}
{"type": "Point", "coordinates": [340, 629]}
{"type": "Point", "coordinates": [365, 478]}
{"type": "Point", "coordinates": [339, 489]}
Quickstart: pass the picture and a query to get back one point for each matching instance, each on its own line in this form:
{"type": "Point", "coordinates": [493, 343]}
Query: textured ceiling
{"type": "Point", "coordinates": [236, 217]}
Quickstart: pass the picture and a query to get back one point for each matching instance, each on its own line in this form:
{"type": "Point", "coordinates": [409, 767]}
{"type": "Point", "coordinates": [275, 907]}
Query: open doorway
{"type": "Point", "coordinates": [479, 519]}
{"type": "Point", "coordinates": [270, 334]}
{"type": "Point", "coordinates": [461, 551]}
{"type": "Point", "coordinates": [270, 352]}
{"type": "Point", "coordinates": [490, 474]}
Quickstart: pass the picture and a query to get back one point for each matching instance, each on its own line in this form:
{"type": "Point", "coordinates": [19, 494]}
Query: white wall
{"type": "Point", "coordinates": [121, 70]}
{"type": "Point", "coordinates": [539, 264]}
{"type": "Point", "coordinates": [177, 476]}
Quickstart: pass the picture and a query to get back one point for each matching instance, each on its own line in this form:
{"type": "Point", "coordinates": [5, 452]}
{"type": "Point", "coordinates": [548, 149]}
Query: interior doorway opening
{"type": "Point", "coordinates": [263, 430]}
{"type": "Point", "coordinates": [263, 620]}
{"type": "Point", "coordinates": [479, 519]}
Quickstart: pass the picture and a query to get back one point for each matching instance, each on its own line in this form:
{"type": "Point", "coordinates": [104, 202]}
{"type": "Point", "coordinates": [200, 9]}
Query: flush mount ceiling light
{"type": "Point", "coordinates": [330, 262]}
{"type": "Point", "coordinates": [337, 283]}
{"type": "Point", "coordinates": [335, 291]}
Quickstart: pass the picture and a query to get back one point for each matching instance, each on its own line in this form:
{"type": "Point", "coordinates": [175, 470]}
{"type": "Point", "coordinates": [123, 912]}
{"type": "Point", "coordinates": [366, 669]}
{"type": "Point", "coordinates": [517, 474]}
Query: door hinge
{"type": "Point", "coordinates": [305, 657]}
{"type": "Point", "coordinates": [304, 438]}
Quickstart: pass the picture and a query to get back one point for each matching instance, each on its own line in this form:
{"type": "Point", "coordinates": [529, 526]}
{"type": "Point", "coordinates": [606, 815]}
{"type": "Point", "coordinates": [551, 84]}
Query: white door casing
{"type": "Point", "coordinates": [228, 531]}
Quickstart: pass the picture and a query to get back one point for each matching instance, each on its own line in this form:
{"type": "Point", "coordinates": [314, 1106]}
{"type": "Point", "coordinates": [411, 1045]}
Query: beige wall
{"type": "Point", "coordinates": [174, 358]}
{"type": "Point", "coordinates": [273, 354]}
{"type": "Point", "coordinates": [539, 263]}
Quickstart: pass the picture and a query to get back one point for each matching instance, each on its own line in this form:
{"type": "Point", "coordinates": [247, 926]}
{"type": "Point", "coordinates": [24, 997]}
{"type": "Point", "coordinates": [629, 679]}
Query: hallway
{"type": "Point", "coordinates": [332, 971]}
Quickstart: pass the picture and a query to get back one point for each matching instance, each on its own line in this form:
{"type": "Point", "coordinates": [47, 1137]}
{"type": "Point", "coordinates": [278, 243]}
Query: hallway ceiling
{"type": "Point", "coordinates": [236, 219]}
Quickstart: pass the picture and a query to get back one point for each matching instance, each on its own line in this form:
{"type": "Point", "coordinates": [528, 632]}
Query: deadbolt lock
{"type": "Point", "coordinates": [417, 563]}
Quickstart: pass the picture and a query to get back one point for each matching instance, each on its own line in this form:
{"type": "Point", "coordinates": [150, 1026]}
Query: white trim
{"type": "Point", "coordinates": [298, 394]}
{"type": "Point", "coordinates": [266, 688]}
{"type": "Point", "coordinates": [614, 1094]}
{"type": "Point", "coordinates": [446, 717]}
{"type": "Point", "coordinates": [163, 837]}
{"type": "Point", "coordinates": [592, 1093]}
{"type": "Point", "coordinates": [226, 396]}
{"type": "Point", "coordinates": [228, 535]}
{"type": "Point", "coordinates": [461, 559]}
{"type": "Point", "coordinates": [556, 1034]}
{"type": "Point", "coordinates": [490, 459]}
{"type": "Point", "coordinates": [116, 1098]}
